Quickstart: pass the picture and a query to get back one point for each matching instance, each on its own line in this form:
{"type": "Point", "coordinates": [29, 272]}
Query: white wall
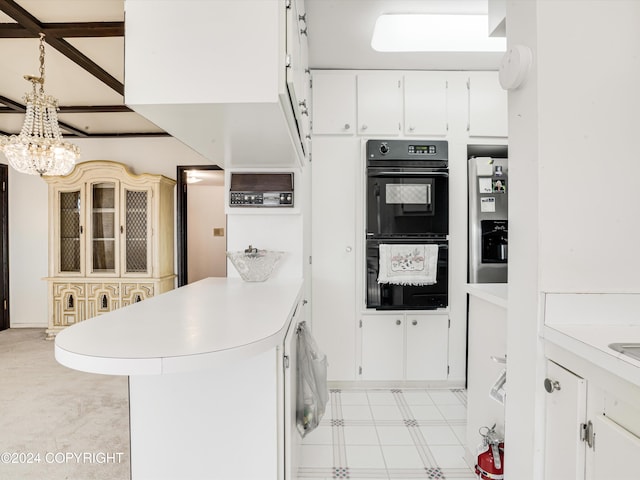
{"type": "Point", "coordinates": [28, 223]}
{"type": "Point", "coordinates": [206, 252]}
{"type": "Point", "coordinates": [574, 184]}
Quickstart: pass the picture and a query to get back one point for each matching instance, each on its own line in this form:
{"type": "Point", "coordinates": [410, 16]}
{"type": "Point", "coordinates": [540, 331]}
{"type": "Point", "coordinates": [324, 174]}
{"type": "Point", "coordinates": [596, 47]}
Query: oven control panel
{"type": "Point", "coordinates": [261, 199]}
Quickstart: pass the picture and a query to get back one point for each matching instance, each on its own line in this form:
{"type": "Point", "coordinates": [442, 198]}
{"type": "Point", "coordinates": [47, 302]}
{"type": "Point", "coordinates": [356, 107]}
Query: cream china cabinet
{"type": "Point", "coordinates": [110, 240]}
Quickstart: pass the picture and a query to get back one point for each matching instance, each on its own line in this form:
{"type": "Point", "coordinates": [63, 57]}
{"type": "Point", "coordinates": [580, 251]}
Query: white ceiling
{"type": "Point", "coordinates": [339, 35]}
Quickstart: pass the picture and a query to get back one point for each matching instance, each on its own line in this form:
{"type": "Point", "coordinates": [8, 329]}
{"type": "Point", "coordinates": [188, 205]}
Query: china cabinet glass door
{"type": "Point", "coordinates": [70, 243]}
{"type": "Point", "coordinates": [103, 227]}
{"type": "Point", "coordinates": [136, 244]}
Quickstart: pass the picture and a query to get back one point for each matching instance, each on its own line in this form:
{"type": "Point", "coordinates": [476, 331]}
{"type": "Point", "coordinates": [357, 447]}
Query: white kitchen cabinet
{"type": "Point", "coordinates": [488, 112]}
{"type": "Point", "coordinates": [110, 240]}
{"type": "Point", "coordinates": [565, 407]}
{"type": "Point", "coordinates": [425, 103]}
{"type": "Point", "coordinates": [297, 68]}
{"type": "Point", "coordinates": [616, 452]}
{"type": "Point", "coordinates": [333, 251]}
{"type": "Point", "coordinates": [427, 347]}
{"type": "Point", "coordinates": [383, 347]}
{"type": "Point", "coordinates": [379, 103]}
{"type": "Point", "coordinates": [404, 346]}
{"type": "Point", "coordinates": [334, 103]}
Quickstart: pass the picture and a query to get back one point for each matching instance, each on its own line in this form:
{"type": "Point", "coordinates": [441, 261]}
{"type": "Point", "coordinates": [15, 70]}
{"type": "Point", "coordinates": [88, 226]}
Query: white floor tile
{"type": "Point", "coordinates": [381, 397]}
{"type": "Point", "coordinates": [461, 433]}
{"type": "Point", "coordinates": [417, 397]}
{"type": "Point", "coordinates": [444, 397]}
{"type": "Point", "coordinates": [400, 456]}
{"type": "Point", "coordinates": [356, 412]}
{"type": "Point", "coordinates": [448, 456]}
{"type": "Point", "coordinates": [354, 398]}
{"type": "Point", "coordinates": [453, 412]}
{"type": "Point", "coordinates": [394, 435]}
{"type": "Point", "coordinates": [386, 412]}
{"type": "Point", "coordinates": [439, 435]}
{"type": "Point", "coordinates": [364, 435]}
{"type": "Point", "coordinates": [426, 412]}
{"type": "Point", "coordinates": [322, 435]}
{"type": "Point", "coordinates": [364, 456]}
{"type": "Point", "coordinates": [316, 456]}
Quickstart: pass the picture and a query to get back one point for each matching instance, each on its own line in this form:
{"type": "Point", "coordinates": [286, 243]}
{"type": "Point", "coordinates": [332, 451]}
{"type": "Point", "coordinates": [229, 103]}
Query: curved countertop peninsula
{"type": "Point", "coordinates": [209, 377]}
{"type": "Point", "coordinates": [190, 328]}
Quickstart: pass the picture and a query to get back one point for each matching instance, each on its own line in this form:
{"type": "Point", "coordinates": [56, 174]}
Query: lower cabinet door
{"type": "Point", "coordinates": [616, 451]}
{"type": "Point", "coordinates": [427, 347]}
{"type": "Point", "coordinates": [382, 347]}
{"type": "Point", "coordinates": [566, 410]}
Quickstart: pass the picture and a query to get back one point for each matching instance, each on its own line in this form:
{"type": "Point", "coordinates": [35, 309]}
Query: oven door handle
{"type": "Point", "coordinates": [409, 174]}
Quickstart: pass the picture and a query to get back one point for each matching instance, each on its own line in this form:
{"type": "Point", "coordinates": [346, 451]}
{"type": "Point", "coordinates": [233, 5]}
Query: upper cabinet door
{"type": "Point", "coordinates": [488, 112]}
{"type": "Point", "coordinates": [70, 231]}
{"type": "Point", "coordinates": [135, 232]}
{"type": "Point", "coordinates": [379, 103]}
{"type": "Point", "coordinates": [334, 103]}
{"type": "Point", "coordinates": [103, 218]}
{"type": "Point", "coordinates": [425, 103]}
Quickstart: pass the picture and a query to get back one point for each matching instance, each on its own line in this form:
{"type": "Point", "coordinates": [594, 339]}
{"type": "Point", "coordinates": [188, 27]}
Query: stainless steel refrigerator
{"type": "Point", "coordinates": [488, 213]}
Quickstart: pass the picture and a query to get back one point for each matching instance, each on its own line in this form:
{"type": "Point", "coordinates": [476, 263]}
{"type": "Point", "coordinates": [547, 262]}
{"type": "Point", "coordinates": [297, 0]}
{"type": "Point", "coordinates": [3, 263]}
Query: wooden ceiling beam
{"type": "Point", "coordinates": [65, 30]}
{"type": "Point", "coordinates": [33, 25]}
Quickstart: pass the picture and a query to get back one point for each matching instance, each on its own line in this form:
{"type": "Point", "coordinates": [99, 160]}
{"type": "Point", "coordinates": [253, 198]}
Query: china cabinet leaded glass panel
{"type": "Point", "coordinates": [103, 227]}
{"type": "Point", "coordinates": [136, 241]}
{"type": "Point", "coordinates": [70, 231]}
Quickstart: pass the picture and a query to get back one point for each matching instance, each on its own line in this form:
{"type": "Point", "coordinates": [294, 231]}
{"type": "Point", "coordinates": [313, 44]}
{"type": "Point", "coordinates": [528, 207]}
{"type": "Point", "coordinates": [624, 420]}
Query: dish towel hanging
{"type": "Point", "coordinates": [408, 264]}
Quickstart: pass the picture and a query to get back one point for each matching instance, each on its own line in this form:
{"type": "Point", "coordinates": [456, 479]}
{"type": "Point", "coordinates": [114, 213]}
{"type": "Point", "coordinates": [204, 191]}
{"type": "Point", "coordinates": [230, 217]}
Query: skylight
{"type": "Point", "coordinates": [434, 33]}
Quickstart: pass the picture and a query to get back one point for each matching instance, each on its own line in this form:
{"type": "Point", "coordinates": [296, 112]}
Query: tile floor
{"type": "Point", "coordinates": [389, 434]}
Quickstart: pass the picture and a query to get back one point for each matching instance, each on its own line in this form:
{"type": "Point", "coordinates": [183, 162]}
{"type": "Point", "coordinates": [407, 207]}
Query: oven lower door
{"type": "Point", "coordinates": [390, 296]}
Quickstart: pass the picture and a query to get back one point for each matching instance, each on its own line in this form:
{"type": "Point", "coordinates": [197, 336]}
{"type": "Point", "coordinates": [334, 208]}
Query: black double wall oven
{"type": "Point", "coordinates": [407, 223]}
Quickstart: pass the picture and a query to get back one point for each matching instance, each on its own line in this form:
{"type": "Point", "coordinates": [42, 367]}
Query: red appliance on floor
{"type": "Point", "coordinates": [490, 464]}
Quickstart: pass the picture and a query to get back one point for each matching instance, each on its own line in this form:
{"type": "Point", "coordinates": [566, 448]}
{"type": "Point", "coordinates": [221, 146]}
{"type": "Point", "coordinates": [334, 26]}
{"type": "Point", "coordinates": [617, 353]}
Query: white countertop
{"type": "Point", "coordinates": [201, 325]}
{"type": "Point", "coordinates": [591, 342]}
{"type": "Point", "coordinates": [496, 293]}
{"type": "Point", "coordinates": [585, 324]}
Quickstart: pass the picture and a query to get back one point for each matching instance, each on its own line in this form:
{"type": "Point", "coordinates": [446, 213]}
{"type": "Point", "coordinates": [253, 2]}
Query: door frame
{"type": "Point", "coordinates": [4, 246]}
{"type": "Point", "coordinates": [181, 217]}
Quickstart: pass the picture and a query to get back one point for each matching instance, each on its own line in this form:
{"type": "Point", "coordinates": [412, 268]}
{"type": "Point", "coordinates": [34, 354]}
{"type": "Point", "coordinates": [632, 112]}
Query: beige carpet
{"type": "Point", "coordinates": [57, 423]}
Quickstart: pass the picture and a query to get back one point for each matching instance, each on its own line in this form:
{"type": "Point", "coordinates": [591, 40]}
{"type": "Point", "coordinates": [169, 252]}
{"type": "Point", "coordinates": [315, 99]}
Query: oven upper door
{"type": "Point", "coordinates": [407, 202]}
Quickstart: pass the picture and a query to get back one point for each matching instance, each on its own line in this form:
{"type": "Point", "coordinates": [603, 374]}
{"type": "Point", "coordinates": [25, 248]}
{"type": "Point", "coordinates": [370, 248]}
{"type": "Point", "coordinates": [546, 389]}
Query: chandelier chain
{"type": "Point", "coordinates": [42, 62]}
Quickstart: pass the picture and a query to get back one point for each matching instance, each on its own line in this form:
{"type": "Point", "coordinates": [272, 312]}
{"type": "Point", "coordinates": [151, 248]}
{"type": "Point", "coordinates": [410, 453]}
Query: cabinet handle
{"type": "Point", "coordinates": [551, 385]}
{"type": "Point", "coordinates": [414, 322]}
{"type": "Point", "coordinates": [121, 229]}
{"type": "Point", "coordinates": [81, 229]}
{"type": "Point", "coordinates": [303, 31]}
{"type": "Point", "coordinates": [398, 322]}
{"type": "Point", "coordinates": [411, 129]}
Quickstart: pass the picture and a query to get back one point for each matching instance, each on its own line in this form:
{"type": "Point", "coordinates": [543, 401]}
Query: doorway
{"type": "Point", "coordinates": [201, 223]}
{"type": "Point", "coordinates": [4, 247]}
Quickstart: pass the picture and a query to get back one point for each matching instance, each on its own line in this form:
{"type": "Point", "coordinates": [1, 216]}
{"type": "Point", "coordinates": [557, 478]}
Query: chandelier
{"type": "Point", "coordinates": [39, 148]}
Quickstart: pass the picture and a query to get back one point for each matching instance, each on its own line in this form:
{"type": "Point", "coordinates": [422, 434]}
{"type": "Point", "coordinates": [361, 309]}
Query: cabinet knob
{"type": "Point", "coordinates": [347, 126]}
{"type": "Point", "coordinates": [551, 385]}
{"type": "Point", "coordinates": [364, 127]}
{"type": "Point", "coordinates": [398, 322]}
{"type": "Point", "coordinates": [414, 322]}
{"type": "Point", "coordinates": [412, 128]}
{"type": "Point", "coordinates": [348, 249]}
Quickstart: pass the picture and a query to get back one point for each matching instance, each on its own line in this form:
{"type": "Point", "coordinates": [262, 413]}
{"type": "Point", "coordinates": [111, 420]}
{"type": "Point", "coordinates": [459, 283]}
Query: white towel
{"type": "Point", "coordinates": [408, 264]}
